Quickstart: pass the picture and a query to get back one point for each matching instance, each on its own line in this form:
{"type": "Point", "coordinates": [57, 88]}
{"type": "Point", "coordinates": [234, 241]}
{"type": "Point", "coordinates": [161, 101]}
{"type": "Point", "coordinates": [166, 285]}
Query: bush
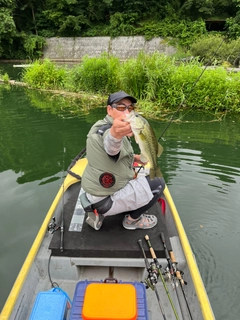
{"type": "Point", "coordinates": [94, 75]}
{"type": "Point", "coordinates": [33, 46]}
{"type": "Point", "coordinates": [45, 75]}
{"type": "Point", "coordinates": [179, 32]}
{"type": "Point", "coordinates": [215, 49]}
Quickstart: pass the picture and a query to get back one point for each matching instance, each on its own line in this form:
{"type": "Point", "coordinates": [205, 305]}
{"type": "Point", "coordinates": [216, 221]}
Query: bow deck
{"type": "Point", "coordinates": [112, 241]}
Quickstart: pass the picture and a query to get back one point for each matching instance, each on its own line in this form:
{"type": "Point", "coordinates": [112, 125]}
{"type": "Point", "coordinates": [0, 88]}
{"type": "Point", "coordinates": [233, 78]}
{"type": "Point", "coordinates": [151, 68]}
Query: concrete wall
{"type": "Point", "coordinates": [121, 47]}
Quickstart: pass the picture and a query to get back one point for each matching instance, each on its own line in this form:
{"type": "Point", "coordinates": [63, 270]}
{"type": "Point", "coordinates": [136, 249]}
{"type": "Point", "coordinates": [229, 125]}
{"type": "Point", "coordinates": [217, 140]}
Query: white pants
{"type": "Point", "coordinates": [136, 194]}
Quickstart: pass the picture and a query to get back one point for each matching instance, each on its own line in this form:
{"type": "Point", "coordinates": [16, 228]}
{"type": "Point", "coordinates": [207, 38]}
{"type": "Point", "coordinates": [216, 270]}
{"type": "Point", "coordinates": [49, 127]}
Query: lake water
{"type": "Point", "coordinates": [200, 164]}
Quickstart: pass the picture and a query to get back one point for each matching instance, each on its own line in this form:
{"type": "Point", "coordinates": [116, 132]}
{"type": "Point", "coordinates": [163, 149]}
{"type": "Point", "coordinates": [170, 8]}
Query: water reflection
{"type": "Point", "coordinates": [34, 145]}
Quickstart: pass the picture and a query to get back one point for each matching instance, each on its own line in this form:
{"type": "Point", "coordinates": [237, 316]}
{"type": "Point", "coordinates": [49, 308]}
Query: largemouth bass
{"type": "Point", "coordinates": [146, 139]}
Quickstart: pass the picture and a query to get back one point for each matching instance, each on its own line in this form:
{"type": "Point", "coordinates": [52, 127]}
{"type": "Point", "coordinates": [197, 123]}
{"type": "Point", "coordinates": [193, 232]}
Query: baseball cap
{"type": "Point", "coordinates": [117, 96]}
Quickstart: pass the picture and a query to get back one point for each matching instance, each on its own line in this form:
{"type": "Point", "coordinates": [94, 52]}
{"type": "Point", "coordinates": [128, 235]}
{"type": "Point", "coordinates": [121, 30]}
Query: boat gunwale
{"type": "Point", "coordinates": [206, 309]}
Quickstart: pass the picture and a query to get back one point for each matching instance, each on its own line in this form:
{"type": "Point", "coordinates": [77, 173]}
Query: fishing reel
{"type": "Point", "coordinates": [52, 227]}
{"type": "Point", "coordinates": [167, 274]}
{"type": "Point", "coordinates": [148, 284]}
{"type": "Point", "coordinates": [153, 275]}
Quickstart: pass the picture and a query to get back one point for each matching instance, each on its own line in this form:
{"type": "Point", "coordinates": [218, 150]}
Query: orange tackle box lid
{"type": "Point", "coordinates": [110, 301]}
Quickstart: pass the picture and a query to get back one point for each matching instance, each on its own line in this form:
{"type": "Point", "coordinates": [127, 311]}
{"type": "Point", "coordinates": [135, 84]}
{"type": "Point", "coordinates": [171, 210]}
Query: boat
{"type": "Point", "coordinates": [68, 258]}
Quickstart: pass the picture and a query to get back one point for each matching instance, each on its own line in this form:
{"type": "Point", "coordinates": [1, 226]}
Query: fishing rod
{"type": "Point", "coordinates": [152, 279]}
{"type": "Point", "coordinates": [62, 222]}
{"type": "Point", "coordinates": [74, 161]}
{"type": "Point", "coordinates": [173, 274]}
{"type": "Point", "coordinates": [158, 267]}
{"type": "Point", "coordinates": [181, 281]}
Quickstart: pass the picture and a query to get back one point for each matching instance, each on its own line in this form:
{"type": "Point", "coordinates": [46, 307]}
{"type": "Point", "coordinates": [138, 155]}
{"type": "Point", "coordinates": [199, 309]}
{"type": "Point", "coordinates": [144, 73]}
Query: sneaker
{"type": "Point", "coordinates": [95, 220]}
{"type": "Point", "coordinates": [145, 221]}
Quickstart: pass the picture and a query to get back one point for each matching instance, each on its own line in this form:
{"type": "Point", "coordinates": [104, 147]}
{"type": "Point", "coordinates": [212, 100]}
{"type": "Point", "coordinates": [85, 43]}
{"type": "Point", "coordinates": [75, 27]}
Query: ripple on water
{"type": "Point", "coordinates": [207, 198]}
{"type": "Point", "coordinates": [218, 273]}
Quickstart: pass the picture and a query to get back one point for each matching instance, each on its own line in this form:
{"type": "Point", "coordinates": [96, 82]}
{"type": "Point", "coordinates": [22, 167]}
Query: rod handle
{"type": "Point", "coordinates": [144, 255]}
{"type": "Point", "coordinates": [152, 253]}
{"type": "Point", "coordinates": [172, 257]}
{"type": "Point", "coordinates": [162, 237]}
{"type": "Point", "coordinates": [178, 274]}
{"type": "Point", "coordinates": [164, 245]}
{"type": "Point", "coordinates": [150, 247]}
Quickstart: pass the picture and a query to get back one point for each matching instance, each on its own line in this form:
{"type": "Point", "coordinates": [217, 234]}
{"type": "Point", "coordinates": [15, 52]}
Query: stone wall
{"type": "Point", "coordinates": [121, 47]}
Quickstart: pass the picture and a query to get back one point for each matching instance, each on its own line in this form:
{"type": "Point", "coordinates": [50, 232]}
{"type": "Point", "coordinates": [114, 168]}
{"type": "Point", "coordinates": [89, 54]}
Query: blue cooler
{"type": "Point", "coordinates": [78, 299]}
{"type": "Point", "coordinates": [49, 305]}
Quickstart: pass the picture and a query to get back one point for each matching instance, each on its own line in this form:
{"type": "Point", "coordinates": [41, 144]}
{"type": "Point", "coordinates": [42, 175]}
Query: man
{"type": "Point", "coordinates": [109, 180]}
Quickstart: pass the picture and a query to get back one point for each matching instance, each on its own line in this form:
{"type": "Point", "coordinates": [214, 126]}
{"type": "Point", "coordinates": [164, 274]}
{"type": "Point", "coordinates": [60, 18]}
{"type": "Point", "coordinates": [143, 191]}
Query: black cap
{"type": "Point", "coordinates": [117, 96]}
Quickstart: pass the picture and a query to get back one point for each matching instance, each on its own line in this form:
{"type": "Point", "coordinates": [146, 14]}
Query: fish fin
{"type": "Point", "coordinates": [160, 150]}
{"type": "Point", "coordinates": [155, 173]}
{"type": "Point", "coordinates": [143, 158]}
{"type": "Point", "coordinates": [136, 140]}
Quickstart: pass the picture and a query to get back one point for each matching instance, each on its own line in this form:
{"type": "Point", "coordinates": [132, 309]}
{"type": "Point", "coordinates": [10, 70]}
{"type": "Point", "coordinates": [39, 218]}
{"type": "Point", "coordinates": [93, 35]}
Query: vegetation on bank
{"type": "Point", "coordinates": [25, 24]}
{"type": "Point", "coordinates": [158, 81]}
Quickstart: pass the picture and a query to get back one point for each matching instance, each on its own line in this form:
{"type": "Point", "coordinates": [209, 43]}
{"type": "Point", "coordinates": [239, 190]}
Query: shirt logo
{"type": "Point", "coordinates": [107, 180]}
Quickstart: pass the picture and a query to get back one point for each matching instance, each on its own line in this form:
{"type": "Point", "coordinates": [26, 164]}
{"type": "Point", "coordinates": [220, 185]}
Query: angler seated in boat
{"type": "Point", "coordinates": [110, 185]}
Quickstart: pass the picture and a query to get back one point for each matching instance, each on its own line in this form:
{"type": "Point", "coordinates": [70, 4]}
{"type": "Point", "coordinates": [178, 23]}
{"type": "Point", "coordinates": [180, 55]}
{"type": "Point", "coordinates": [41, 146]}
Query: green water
{"type": "Point", "coordinates": [200, 164]}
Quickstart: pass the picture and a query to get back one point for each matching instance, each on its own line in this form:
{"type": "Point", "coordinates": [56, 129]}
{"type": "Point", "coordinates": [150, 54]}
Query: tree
{"type": "Point", "coordinates": [7, 25]}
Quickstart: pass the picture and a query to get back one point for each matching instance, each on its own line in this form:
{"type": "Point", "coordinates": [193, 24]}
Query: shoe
{"type": "Point", "coordinates": [95, 220]}
{"type": "Point", "coordinates": [145, 221]}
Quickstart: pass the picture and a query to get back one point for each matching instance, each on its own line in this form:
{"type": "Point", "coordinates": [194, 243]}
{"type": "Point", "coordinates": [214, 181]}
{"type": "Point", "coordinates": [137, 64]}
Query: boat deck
{"type": "Point", "coordinates": [112, 240]}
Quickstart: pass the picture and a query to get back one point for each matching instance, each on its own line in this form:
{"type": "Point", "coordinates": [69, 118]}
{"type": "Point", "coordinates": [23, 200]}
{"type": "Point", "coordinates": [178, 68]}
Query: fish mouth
{"type": "Point", "coordinates": [129, 115]}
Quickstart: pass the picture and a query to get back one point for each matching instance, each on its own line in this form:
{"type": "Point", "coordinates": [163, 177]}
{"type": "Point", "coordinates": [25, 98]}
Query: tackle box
{"type": "Point", "coordinates": [49, 305]}
{"type": "Point", "coordinates": [101, 300]}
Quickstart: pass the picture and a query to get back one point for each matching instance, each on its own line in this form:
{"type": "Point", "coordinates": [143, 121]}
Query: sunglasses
{"type": "Point", "coordinates": [123, 107]}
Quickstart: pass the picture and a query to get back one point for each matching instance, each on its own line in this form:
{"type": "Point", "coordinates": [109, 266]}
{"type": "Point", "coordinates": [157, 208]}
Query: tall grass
{"type": "Point", "coordinates": [157, 81]}
{"type": "Point", "coordinates": [45, 75]}
{"type": "Point", "coordinates": [95, 75]}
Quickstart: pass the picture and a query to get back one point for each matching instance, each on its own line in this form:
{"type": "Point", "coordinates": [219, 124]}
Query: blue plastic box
{"type": "Point", "coordinates": [49, 305]}
{"type": "Point", "coordinates": [76, 311]}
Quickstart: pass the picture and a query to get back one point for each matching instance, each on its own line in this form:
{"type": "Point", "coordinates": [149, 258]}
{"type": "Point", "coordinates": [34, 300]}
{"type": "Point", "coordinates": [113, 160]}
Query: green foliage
{"type": "Point", "coordinates": [132, 75]}
{"type": "Point", "coordinates": [71, 25]}
{"type": "Point", "coordinates": [10, 4]}
{"type": "Point", "coordinates": [217, 91]}
{"type": "Point", "coordinates": [183, 32]}
{"type": "Point", "coordinates": [4, 77]}
{"type": "Point", "coordinates": [45, 75]}
{"type": "Point", "coordinates": [33, 46]}
{"type": "Point", "coordinates": [7, 24]}
{"type": "Point", "coordinates": [7, 30]}
{"type": "Point", "coordinates": [233, 26]}
{"type": "Point", "coordinates": [156, 80]}
{"type": "Point", "coordinates": [144, 75]}
{"type": "Point", "coordinates": [121, 24]}
{"type": "Point", "coordinates": [94, 74]}
{"type": "Point", "coordinates": [215, 46]}
{"type": "Point", "coordinates": [194, 7]}
{"type": "Point", "coordinates": [179, 22]}
{"type": "Point", "coordinates": [66, 18]}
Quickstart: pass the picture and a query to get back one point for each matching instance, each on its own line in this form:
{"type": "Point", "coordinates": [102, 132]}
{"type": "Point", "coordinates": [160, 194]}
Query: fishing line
{"type": "Point", "coordinates": [194, 85]}
{"type": "Point", "coordinates": [63, 190]}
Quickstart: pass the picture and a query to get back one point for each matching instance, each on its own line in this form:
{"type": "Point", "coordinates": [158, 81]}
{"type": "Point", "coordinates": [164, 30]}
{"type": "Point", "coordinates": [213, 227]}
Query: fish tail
{"type": "Point", "coordinates": [155, 172]}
